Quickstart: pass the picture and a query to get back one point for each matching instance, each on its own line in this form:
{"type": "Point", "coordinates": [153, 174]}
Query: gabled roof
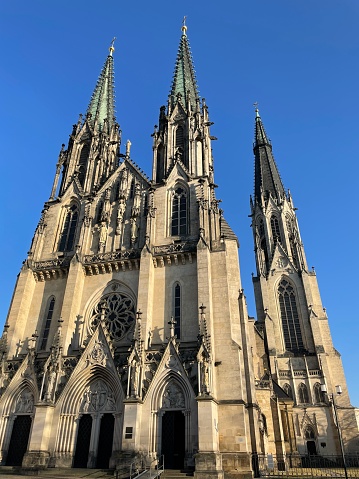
{"type": "Point", "coordinates": [184, 78]}
{"type": "Point", "coordinates": [266, 174]}
{"type": "Point", "coordinates": [102, 103]}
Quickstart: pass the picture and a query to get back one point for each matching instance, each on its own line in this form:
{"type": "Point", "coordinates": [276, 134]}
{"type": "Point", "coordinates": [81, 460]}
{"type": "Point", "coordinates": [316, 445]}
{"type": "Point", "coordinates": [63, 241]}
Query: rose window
{"type": "Point", "coordinates": [118, 312]}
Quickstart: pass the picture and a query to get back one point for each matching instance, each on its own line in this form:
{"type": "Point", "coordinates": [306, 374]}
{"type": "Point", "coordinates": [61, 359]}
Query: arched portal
{"type": "Point", "coordinates": [19, 440]}
{"type": "Point", "coordinates": [173, 439]}
{"type": "Point", "coordinates": [310, 440]}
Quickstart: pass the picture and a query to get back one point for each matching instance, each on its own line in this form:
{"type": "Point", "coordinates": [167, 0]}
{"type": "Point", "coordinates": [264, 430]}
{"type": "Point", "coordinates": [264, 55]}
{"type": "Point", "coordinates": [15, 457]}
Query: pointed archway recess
{"type": "Point", "coordinates": [171, 393]}
{"type": "Point", "coordinates": [94, 389]}
{"type": "Point", "coordinates": [18, 400]}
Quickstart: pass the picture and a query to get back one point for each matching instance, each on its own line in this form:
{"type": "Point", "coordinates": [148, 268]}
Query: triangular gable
{"type": "Point", "coordinates": [178, 171]}
{"type": "Point", "coordinates": [280, 259]}
{"type": "Point", "coordinates": [169, 369]}
{"type": "Point", "coordinates": [96, 363]}
{"type": "Point", "coordinates": [178, 113]}
{"type": "Point", "coordinates": [141, 178]}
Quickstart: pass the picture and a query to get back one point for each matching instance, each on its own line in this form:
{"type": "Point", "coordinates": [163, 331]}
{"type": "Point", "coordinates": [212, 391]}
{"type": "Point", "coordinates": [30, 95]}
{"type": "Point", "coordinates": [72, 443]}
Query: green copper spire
{"type": "Point", "coordinates": [102, 104]}
{"type": "Point", "coordinates": [184, 78]}
{"type": "Point", "coordinates": [266, 174]}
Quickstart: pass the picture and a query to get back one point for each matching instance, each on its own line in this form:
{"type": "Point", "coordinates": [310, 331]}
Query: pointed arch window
{"type": "Point", "coordinates": [69, 230]}
{"type": "Point", "coordinates": [317, 393]}
{"type": "Point", "coordinates": [179, 212]}
{"type": "Point", "coordinates": [83, 163]}
{"type": "Point", "coordinates": [48, 317]}
{"type": "Point", "coordinates": [292, 333]}
{"type": "Point", "coordinates": [303, 396]}
{"type": "Point", "coordinates": [288, 390]}
{"type": "Point", "coordinates": [160, 166]}
{"type": "Point", "coordinates": [177, 308]}
{"type": "Point", "coordinates": [274, 223]}
{"type": "Point", "coordinates": [179, 137]}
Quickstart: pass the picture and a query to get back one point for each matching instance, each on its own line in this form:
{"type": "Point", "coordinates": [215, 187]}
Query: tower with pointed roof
{"type": "Point", "coordinates": [290, 315]}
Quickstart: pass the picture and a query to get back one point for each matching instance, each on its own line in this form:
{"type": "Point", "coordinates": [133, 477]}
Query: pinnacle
{"type": "Point", "coordinates": [184, 78]}
{"type": "Point", "coordinates": [266, 177]}
{"type": "Point", "coordinates": [102, 103]}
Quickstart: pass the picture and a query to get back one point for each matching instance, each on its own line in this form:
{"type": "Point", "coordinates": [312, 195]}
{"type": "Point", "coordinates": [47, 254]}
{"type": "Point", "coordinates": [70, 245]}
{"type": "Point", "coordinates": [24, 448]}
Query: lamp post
{"type": "Point", "coordinates": [338, 391]}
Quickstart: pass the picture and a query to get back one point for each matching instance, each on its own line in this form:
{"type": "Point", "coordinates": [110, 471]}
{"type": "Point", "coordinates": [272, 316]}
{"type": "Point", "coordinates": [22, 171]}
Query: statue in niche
{"type": "Point", "coordinates": [124, 182]}
{"type": "Point", "coordinates": [121, 208]}
{"type": "Point", "coordinates": [103, 234]}
{"type": "Point", "coordinates": [205, 376]}
{"type": "Point", "coordinates": [137, 201]}
{"type": "Point", "coordinates": [133, 230]}
{"type": "Point", "coordinates": [50, 384]}
{"type": "Point", "coordinates": [134, 379]}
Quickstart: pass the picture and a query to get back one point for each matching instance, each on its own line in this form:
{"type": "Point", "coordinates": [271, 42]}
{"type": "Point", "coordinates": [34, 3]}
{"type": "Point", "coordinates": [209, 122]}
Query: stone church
{"type": "Point", "coordinates": [128, 334]}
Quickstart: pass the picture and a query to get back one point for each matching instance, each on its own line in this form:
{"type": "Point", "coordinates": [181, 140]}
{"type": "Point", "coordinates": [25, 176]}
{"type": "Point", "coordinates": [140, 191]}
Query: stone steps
{"type": "Point", "coordinates": [56, 473]}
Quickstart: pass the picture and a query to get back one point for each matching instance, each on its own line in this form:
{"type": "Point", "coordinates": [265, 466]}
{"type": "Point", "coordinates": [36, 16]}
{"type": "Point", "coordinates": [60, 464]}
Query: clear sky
{"type": "Point", "coordinates": [297, 58]}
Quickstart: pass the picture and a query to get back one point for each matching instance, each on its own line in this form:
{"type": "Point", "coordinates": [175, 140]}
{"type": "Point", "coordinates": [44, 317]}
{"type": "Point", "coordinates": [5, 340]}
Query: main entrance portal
{"type": "Point", "coordinates": [83, 441]}
{"type": "Point", "coordinates": [19, 440]}
{"type": "Point", "coordinates": [173, 439]}
{"type": "Point", "coordinates": [105, 441]}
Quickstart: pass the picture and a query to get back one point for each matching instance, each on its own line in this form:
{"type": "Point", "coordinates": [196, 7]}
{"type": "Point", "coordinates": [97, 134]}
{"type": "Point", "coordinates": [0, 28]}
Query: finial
{"type": "Point", "coordinates": [184, 27]}
{"type": "Point", "coordinates": [255, 104]}
{"type": "Point", "coordinates": [112, 48]}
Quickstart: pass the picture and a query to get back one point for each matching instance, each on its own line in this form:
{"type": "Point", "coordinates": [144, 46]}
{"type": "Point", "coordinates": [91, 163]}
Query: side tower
{"type": "Point", "coordinates": [72, 319]}
{"type": "Point", "coordinates": [301, 355]}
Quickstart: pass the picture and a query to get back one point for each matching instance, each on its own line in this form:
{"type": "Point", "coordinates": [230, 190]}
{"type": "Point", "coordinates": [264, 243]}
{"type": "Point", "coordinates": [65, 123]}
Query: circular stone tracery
{"type": "Point", "coordinates": [118, 311]}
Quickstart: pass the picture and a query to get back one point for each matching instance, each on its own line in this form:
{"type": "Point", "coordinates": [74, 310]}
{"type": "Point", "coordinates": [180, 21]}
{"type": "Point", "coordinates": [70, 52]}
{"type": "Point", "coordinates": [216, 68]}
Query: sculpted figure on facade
{"type": "Point", "coordinates": [25, 402]}
{"type": "Point", "coordinates": [173, 397]}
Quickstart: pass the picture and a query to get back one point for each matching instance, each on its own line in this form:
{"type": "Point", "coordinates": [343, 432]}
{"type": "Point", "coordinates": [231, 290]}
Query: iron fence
{"type": "Point", "coordinates": [291, 465]}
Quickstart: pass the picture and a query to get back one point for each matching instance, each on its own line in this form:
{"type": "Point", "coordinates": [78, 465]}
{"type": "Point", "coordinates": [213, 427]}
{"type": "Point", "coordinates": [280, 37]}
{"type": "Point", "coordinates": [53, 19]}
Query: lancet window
{"type": "Point", "coordinates": [69, 230]}
{"type": "Point", "coordinates": [317, 392]}
{"type": "Point", "coordinates": [292, 333]}
{"type": "Point", "coordinates": [179, 212]}
{"type": "Point", "coordinates": [288, 390]}
{"type": "Point", "coordinates": [177, 309]}
{"type": "Point", "coordinates": [179, 137]}
{"type": "Point", "coordinates": [303, 396]}
{"type": "Point", "coordinates": [274, 223]}
{"type": "Point", "coordinates": [82, 164]}
{"type": "Point", "coordinates": [48, 317]}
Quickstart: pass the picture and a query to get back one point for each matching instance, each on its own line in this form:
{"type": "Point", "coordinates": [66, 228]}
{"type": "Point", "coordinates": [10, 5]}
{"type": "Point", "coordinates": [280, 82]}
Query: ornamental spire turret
{"type": "Point", "coordinates": [267, 180]}
{"type": "Point", "coordinates": [93, 150]}
{"type": "Point", "coordinates": [102, 103]}
{"type": "Point", "coordinates": [183, 132]}
{"type": "Point", "coordinates": [184, 79]}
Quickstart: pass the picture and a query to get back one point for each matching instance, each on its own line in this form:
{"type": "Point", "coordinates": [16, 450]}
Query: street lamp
{"type": "Point", "coordinates": [338, 390]}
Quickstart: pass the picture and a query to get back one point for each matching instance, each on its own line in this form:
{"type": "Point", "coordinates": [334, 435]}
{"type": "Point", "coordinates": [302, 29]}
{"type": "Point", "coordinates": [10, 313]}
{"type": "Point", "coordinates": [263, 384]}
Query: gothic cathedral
{"type": "Point", "coordinates": [128, 334]}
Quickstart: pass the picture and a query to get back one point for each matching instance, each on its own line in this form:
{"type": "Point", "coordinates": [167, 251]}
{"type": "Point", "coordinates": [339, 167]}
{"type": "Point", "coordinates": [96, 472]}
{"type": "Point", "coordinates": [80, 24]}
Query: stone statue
{"type": "Point", "coordinates": [205, 377]}
{"type": "Point", "coordinates": [103, 234]}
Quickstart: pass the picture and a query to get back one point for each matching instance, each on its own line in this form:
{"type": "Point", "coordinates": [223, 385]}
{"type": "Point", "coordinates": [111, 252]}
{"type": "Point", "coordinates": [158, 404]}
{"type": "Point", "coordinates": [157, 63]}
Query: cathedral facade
{"type": "Point", "coordinates": [128, 334]}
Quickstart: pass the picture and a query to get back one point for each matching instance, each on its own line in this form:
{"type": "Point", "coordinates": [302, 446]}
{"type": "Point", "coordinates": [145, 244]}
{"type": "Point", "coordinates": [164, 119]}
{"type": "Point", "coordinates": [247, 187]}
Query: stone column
{"type": "Point", "coordinates": [38, 455]}
{"type": "Point", "coordinates": [208, 459]}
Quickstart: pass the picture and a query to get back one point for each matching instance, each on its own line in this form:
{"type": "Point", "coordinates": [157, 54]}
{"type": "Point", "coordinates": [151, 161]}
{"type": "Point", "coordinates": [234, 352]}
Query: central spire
{"type": "Point", "coordinates": [102, 103]}
{"type": "Point", "coordinates": [184, 78]}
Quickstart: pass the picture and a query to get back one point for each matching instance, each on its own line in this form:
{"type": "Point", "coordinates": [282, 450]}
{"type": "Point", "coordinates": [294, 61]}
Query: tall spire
{"type": "Point", "coordinates": [266, 175]}
{"type": "Point", "coordinates": [184, 78]}
{"type": "Point", "coordinates": [102, 104]}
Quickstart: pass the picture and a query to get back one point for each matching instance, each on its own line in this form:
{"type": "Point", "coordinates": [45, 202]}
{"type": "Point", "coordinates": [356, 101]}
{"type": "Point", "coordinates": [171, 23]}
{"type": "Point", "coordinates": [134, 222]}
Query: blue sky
{"type": "Point", "coordinates": [298, 59]}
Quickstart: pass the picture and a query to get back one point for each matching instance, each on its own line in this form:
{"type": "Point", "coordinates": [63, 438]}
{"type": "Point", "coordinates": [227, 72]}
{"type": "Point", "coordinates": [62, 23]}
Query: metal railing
{"type": "Point", "coordinates": [294, 465]}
